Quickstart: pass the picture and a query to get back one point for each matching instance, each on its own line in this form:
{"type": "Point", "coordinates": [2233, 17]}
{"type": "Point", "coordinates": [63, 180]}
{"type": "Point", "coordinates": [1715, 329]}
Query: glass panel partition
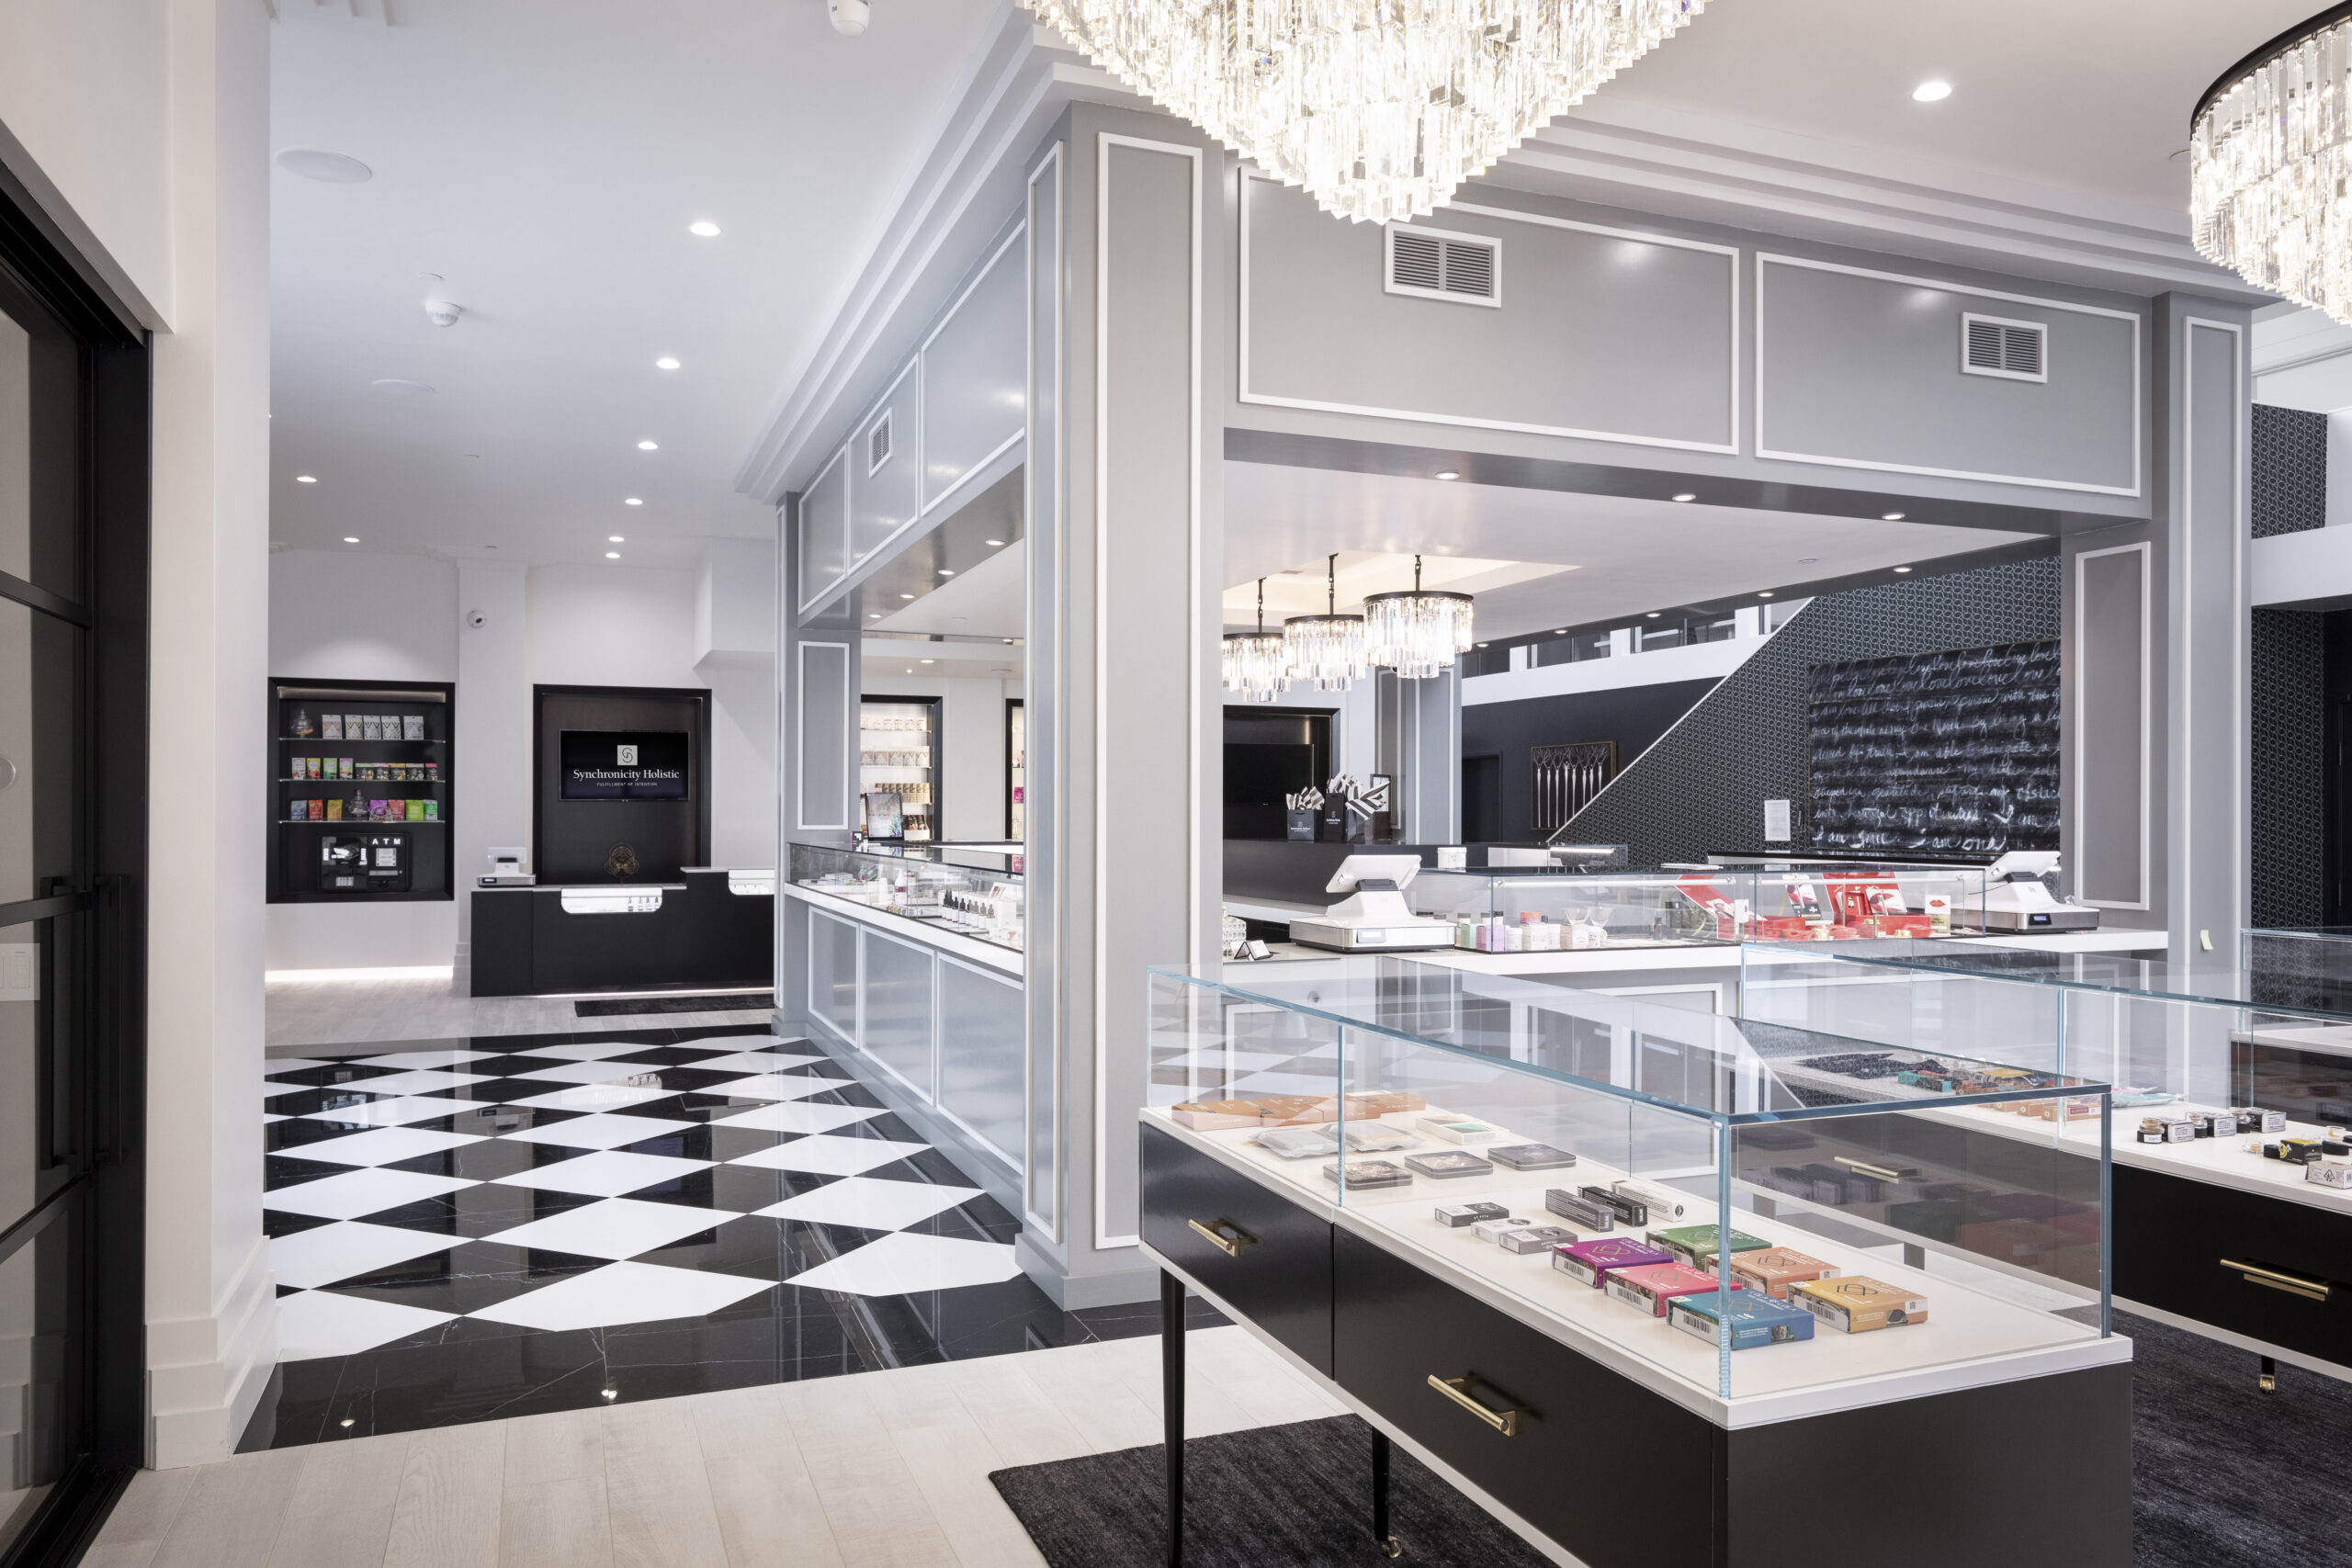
{"type": "Point", "coordinates": [974, 890]}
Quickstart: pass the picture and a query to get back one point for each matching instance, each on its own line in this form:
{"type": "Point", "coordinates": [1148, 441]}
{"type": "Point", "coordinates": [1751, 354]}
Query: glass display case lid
{"type": "Point", "coordinates": [1700, 1063]}
{"type": "Point", "coordinates": [2309, 977]}
{"type": "Point", "coordinates": [995, 858]}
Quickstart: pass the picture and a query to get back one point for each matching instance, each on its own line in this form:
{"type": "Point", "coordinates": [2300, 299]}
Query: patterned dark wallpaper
{"type": "Point", "coordinates": [2290, 676]}
{"type": "Point", "coordinates": [1703, 785]}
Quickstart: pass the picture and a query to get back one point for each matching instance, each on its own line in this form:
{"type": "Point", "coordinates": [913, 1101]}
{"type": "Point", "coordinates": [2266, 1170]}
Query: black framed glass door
{"type": "Point", "coordinates": [74, 399]}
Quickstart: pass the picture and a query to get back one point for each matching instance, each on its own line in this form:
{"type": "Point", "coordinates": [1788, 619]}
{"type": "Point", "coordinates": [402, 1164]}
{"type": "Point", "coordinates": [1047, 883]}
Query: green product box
{"type": "Point", "coordinates": [1696, 1245]}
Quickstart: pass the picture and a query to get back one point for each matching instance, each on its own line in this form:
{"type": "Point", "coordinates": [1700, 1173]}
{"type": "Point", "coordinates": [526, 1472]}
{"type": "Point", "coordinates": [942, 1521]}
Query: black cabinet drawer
{"type": "Point", "coordinates": [1279, 1278]}
{"type": "Point", "coordinates": [2172, 1235]}
{"type": "Point", "coordinates": [1588, 1442]}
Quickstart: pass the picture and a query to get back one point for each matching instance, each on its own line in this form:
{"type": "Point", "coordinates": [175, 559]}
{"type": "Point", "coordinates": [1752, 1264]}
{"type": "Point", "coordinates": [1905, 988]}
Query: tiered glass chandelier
{"type": "Point", "coordinates": [1329, 648]}
{"type": "Point", "coordinates": [1256, 667]}
{"type": "Point", "coordinates": [1418, 635]}
{"type": "Point", "coordinates": [2270, 166]}
{"type": "Point", "coordinates": [1379, 108]}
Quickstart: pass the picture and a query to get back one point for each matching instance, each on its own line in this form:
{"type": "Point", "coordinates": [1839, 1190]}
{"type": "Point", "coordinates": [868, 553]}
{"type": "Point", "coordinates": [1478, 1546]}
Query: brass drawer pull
{"type": "Point", "coordinates": [1224, 1236]}
{"type": "Point", "coordinates": [2294, 1285]}
{"type": "Point", "coordinates": [1458, 1390]}
{"type": "Point", "coordinates": [1879, 1171]}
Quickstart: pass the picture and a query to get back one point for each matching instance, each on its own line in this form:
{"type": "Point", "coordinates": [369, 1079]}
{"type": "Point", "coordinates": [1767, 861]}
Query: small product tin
{"type": "Point", "coordinates": [1366, 1175]}
{"type": "Point", "coordinates": [1530, 1156]}
{"type": "Point", "coordinates": [1446, 1164]}
{"type": "Point", "coordinates": [1458, 1130]}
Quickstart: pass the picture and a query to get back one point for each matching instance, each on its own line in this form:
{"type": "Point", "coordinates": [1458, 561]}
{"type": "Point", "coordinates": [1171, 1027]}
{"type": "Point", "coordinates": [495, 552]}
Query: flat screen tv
{"type": "Point", "coordinates": [627, 764]}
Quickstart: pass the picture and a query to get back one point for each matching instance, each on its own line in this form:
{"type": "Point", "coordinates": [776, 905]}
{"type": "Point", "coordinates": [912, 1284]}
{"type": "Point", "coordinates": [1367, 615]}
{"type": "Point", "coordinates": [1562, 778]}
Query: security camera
{"type": "Point", "coordinates": [476, 619]}
{"type": "Point", "coordinates": [442, 313]}
{"type": "Point", "coordinates": [848, 17]}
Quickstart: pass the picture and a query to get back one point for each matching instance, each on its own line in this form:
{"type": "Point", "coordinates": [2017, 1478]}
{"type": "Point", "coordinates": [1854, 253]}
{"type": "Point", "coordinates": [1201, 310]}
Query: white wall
{"type": "Point", "coordinates": [492, 741]}
{"type": "Point", "coordinates": [971, 765]}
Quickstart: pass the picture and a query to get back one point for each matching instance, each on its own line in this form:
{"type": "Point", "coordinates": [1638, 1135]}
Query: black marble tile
{"type": "Point", "coordinates": [285, 1170]}
{"type": "Point", "coordinates": [739, 1189]}
{"type": "Point", "coordinates": [703, 1141]}
{"type": "Point", "coordinates": [477, 1212]}
{"type": "Point", "coordinates": [468, 1277]}
{"type": "Point", "coordinates": [348, 1073]}
{"type": "Point", "coordinates": [753, 1248]}
{"type": "Point", "coordinates": [277, 1222]}
{"type": "Point", "coordinates": [490, 1160]}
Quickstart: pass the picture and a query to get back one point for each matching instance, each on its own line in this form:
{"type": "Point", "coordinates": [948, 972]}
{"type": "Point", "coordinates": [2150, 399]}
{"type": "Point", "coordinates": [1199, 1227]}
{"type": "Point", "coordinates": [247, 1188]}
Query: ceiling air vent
{"type": "Point", "coordinates": [1992, 346]}
{"type": "Point", "coordinates": [878, 445]}
{"type": "Point", "coordinates": [1431, 264]}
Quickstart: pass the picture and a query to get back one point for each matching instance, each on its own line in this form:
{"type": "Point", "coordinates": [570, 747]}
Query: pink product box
{"type": "Point", "coordinates": [1653, 1287]}
{"type": "Point", "coordinates": [1592, 1261]}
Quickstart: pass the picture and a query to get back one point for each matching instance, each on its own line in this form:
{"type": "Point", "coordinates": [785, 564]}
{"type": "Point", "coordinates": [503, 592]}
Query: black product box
{"type": "Point", "coordinates": [1628, 1211]}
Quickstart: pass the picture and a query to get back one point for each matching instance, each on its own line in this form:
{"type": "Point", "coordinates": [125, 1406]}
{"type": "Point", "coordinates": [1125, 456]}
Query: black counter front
{"type": "Point", "coordinates": [703, 936]}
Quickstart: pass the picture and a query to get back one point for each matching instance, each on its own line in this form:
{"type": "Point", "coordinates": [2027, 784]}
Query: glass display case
{"type": "Point", "coordinates": [1541, 909]}
{"type": "Point", "coordinates": [972, 890]}
{"type": "Point", "coordinates": [1665, 1190]}
{"type": "Point", "coordinates": [897, 757]}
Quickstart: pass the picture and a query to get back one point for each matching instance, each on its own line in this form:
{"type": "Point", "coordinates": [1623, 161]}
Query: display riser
{"type": "Point", "coordinates": [2033, 1472]}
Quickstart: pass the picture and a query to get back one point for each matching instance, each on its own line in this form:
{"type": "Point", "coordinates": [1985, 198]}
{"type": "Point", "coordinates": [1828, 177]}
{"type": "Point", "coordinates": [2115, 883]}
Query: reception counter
{"type": "Point", "coordinates": [712, 930]}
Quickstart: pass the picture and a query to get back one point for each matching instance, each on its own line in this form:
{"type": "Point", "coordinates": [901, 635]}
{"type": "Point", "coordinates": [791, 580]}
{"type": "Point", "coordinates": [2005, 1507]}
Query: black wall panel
{"type": "Point", "coordinates": [1633, 716]}
{"type": "Point", "coordinates": [2288, 670]}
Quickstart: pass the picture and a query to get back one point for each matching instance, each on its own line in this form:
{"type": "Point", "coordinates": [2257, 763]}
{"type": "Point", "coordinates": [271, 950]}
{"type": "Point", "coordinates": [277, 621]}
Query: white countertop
{"type": "Point", "coordinates": [930, 934]}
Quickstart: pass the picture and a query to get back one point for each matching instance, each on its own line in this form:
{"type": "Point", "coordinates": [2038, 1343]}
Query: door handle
{"type": "Point", "coordinates": [1458, 1390]}
{"type": "Point", "coordinates": [1224, 1236]}
{"type": "Point", "coordinates": [2294, 1285]}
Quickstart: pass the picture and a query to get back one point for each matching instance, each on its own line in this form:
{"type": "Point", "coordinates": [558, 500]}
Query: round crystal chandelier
{"type": "Point", "coordinates": [1379, 108]}
{"type": "Point", "coordinates": [1329, 649]}
{"type": "Point", "coordinates": [1255, 666]}
{"type": "Point", "coordinates": [2270, 166]}
{"type": "Point", "coordinates": [1418, 635]}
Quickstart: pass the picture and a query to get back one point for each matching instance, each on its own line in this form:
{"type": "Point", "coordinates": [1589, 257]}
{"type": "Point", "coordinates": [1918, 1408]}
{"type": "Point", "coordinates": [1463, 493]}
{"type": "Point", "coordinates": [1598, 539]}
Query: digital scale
{"type": "Point", "coordinates": [1374, 918]}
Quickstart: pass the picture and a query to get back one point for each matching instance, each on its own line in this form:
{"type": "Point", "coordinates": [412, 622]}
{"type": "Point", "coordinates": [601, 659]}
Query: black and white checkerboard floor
{"type": "Point", "coordinates": [504, 1225]}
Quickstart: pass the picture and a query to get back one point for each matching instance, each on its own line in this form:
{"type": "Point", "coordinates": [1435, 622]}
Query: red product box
{"type": "Point", "coordinates": [1653, 1287]}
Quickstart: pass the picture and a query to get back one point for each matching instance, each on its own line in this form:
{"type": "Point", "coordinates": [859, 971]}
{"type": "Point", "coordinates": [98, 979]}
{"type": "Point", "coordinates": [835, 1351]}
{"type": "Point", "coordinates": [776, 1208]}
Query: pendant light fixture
{"type": "Point", "coordinates": [2270, 165]}
{"type": "Point", "coordinates": [1418, 635]}
{"type": "Point", "coordinates": [1254, 661]}
{"type": "Point", "coordinates": [1329, 649]}
{"type": "Point", "coordinates": [1379, 108]}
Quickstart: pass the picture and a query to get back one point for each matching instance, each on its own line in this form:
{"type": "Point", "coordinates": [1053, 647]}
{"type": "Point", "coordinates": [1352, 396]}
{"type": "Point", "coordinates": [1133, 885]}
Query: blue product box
{"type": "Point", "coordinates": [1755, 1318]}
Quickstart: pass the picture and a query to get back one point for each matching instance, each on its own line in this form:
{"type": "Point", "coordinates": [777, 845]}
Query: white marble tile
{"type": "Point", "coordinates": [625, 1292]}
{"type": "Point", "coordinates": [588, 1050]}
{"type": "Point", "coordinates": [753, 1062]}
{"type": "Point", "coordinates": [740, 1042]}
{"type": "Point", "coordinates": [869, 1204]}
{"type": "Point", "coordinates": [608, 1174]}
{"type": "Point", "coordinates": [311, 1323]}
{"type": "Point", "coordinates": [324, 1254]}
{"type": "Point", "coordinates": [425, 1058]}
{"type": "Point", "coordinates": [617, 1227]}
{"type": "Point", "coordinates": [397, 1112]}
{"type": "Point", "coordinates": [907, 1262]}
{"type": "Point", "coordinates": [272, 1091]}
{"type": "Point", "coordinates": [773, 1085]}
{"type": "Point", "coordinates": [422, 1081]}
{"type": "Point", "coordinates": [828, 1154]}
{"type": "Point", "coordinates": [797, 1116]}
{"type": "Point", "coordinates": [382, 1146]}
{"type": "Point", "coordinates": [596, 1097]}
{"type": "Point", "coordinates": [602, 1132]}
{"type": "Point", "coordinates": [357, 1193]}
{"type": "Point", "coordinates": [272, 1066]}
{"type": "Point", "coordinates": [585, 1071]}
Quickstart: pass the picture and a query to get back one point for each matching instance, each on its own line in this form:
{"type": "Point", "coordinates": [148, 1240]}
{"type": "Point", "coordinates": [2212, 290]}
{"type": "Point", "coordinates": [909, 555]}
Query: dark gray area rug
{"type": "Point", "coordinates": [617, 1007]}
{"type": "Point", "coordinates": [2223, 1476]}
{"type": "Point", "coordinates": [1295, 1496]}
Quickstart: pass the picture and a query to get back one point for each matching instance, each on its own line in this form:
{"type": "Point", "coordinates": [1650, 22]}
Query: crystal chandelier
{"type": "Point", "coordinates": [1255, 663]}
{"type": "Point", "coordinates": [1329, 649]}
{"type": "Point", "coordinates": [2269, 159]}
{"type": "Point", "coordinates": [1418, 635]}
{"type": "Point", "coordinates": [1379, 108]}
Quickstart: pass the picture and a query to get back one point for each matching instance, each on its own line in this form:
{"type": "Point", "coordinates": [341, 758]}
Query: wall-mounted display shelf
{"type": "Point", "coordinates": [898, 754]}
{"type": "Point", "coordinates": [360, 790]}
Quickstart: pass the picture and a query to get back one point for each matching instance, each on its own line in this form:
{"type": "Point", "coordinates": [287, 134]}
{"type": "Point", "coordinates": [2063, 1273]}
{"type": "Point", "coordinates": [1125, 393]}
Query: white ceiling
{"type": "Point", "coordinates": [1629, 556]}
{"type": "Point", "coordinates": [546, 157]}
{"type": "Point", "coordinates": [2090, 94]}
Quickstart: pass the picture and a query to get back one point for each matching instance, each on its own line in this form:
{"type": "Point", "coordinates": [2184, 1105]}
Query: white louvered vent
{"type": "Point", "coordinates": [1994, 345]}
{"type": "Point", "coordinates": [877, 445]}
{"type": "Point", "coordinates": [1431, 264]}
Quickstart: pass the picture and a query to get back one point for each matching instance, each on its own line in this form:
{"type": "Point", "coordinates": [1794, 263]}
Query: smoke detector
{"type": "Point", "coordinates": [442, 313]}
{"type": "Point", "coordinates": [848, 17]}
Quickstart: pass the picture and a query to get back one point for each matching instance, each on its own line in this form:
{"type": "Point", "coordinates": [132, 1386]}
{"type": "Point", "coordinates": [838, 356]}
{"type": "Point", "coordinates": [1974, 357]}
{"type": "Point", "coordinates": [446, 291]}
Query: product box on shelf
{"type": "Point", "coordinates": [1773, 1269]}
{"type": "Point", "coordinates": [1458, 1130]}
{"type": "Point", "coordinates": [1591, 1262]}
{"type": "Point", "coordinates": [1537, 1238]}
{"type": "Point", "coordinates": [1754, 1319]}
{"type": "Point", "coordinates": [1457, 1215]}
{"type": "Point", "coordinates": [412, 726]}
{"type": "Point", "coordinates": [1449, 1164]}
{"type": "Point", "coordinates": [1530, 1156]}
{"type": "Point", "coordinates": [1367, 1174]}
{"type": "Point", "coordinates": [1651, 1286]}
{"type": "Point", "coordinates": [2335, 1173]}
{"type": "Point", "coordinates": [1218, 1115]}
{"type": "Point", "coordinates": [1855, 1304]}
{"type": "Point", "coordinates": [1697, 1244]}
{"type": "Point", "coordinates": [1569, 1205]}
{"type": "Point", "coordinates": [331, 726]}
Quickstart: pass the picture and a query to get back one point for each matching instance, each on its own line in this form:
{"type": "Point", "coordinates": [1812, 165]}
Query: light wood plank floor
{"type": "Point", "coordinates": [878, 1470]}
{"type": "Point", "coordinates": [355, 1012]}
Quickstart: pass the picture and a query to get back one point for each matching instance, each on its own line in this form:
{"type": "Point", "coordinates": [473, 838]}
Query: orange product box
{"type": "Point", "coordinates": [1772, 1270]}
{"type": "Point", "coordinates": [1218, 1115]}
{"type": "Point", "coordinates": [1295, 1110]}
{"type": "Point", "coordinates": [1856, 1304]}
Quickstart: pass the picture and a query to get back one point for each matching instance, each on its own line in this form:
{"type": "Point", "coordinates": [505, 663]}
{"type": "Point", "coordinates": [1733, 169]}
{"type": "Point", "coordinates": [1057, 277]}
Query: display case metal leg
{"type": "Point", "coordinates": [2267, 1380]}
{"type": "Point", "coordinates": [1171, 1406]}
{"type": "Point", "coordinates": [1380, 1536]}
{"type": "Point", "coordinates": [1914, 1255]}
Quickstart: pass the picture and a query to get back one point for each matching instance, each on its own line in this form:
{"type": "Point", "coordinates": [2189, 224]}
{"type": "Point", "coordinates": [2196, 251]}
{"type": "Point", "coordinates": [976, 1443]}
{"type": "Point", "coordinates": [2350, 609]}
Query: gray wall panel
{"type": "Point", "coordinates": [1596, 332]}
{"type": "Point", "coordinates": [980, 1052]}
{"type": "Point", "coordinates": [973, 369]}
{"type": "Point", "coordinates": [1863, 369]}
{"type": "Point", "coordinates": [824, 712]}
{"type": "Point", "coordinates": [899, 1025]}
{"type": "Point", "coordinates": [1044, 525]}
{"type": "Point", "coordinates": [2112, 682]}
{"type": "Point", "coordinates": [2213, 652]}
{"type": "Point", "coordinates": [824, 532]}
{"type": "Point", "coordinates": [886, 498]}
{"type": "Point", "coordinates": [833, 973]}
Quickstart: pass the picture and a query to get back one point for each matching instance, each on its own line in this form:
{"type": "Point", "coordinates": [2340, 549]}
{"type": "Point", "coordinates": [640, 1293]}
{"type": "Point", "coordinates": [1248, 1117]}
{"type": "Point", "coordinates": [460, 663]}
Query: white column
{"type": "Point", "coordinates": [490, 791]}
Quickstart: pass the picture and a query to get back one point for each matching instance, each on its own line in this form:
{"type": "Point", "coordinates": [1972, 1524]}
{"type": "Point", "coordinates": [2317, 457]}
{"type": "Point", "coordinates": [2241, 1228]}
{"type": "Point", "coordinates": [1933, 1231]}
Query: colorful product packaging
{"type": "Point", "coordinates": [1216, 1115]}
{"type": "Point", "coordinates": [1652, 1286]}
{"type": "Point", "coordinates": [415, 811]}
{"type": "Point", "coordinates": [1773, 1269]}
{"type": "Point", "coordinates": [1697, 1246]}
{"type": "Point", "coordinates": [1754, 1320]}
{"type": "Point", "coordinates": [1855, 1304]}
{"type": "Point", "coordinates": [335, 808]}
{"type": "Point", "coordinates": [1592, 1261]}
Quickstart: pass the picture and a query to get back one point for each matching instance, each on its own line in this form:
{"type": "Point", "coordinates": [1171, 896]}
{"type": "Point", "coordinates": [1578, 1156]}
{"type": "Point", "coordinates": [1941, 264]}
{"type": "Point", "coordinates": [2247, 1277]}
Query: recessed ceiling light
{"type": "Point", "coordinates": [1449, 473]}
{"type": "Point", "coordinates": [1931, 91]}
{"type": "Point", "coordinates": [1562, 632]}
{"type": "Point", "coordinates": [349, 540]}
{"type": "Point", "coordinates": [611, 555]}
{"type": "Point", "coordinates": [992, 542]}
{"type": "Point", "coordinates": [1686, 495]}
{"type": "Point", "coordinates": [1654, 614]}
{"type": "Point", "coordinates": [875, 616]}
{"type": "Point", "coordinates": [614, 539]}
{"type": "Point", "coordinates": [332, 167]}
{"type": "Point", "coordinates": [947, 571]}
{"type": "Point", "coordinates": [906, 595]}
{"type": "Point", "coordinates": [1900, 570]}
{"type": "Point", "coordinates": [1007, 642]}
{"type": "Point", "coordinates": [649, 445]}
{"type": "Point", "coordinates": [931, 661]}
{"type": "Point", "coordinates": [1482, 644]}
{"type": "Point", "coordinates": [667, 362]}
{"type": "Point", "coordinates": [1890, 517]}
{"type": "Point", "coordinates": [705, 229]}
{"type": "Point", "coordinates": [1766, 593]}
{"type": "Point", "coordinates": [634, 501]}
{"type": "Point", "coordinates": [306, 479]}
